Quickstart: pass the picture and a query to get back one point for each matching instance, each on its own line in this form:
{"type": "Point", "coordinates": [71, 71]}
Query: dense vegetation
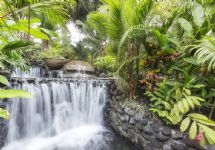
{"type": "Point", "coordinates": [164, 48]}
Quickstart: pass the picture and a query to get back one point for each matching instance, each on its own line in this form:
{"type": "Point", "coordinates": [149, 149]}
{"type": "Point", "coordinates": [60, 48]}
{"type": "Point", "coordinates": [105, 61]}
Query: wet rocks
{"type": "Point", "coordinates": [177, 145]}
{"type": "Point", "coordinates": [166, 131]}
{"type": "Point", "coordinates": [139, 128]}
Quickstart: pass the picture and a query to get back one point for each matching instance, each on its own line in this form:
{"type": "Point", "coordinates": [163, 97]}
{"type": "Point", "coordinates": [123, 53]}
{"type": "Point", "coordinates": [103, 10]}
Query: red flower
{"type": "Point", "coordinates": [199, 136]}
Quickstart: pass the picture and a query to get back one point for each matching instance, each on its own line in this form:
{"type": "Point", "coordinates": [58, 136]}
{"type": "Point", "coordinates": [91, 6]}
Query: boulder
{"type": "Point", "coordinates": [54, 63]}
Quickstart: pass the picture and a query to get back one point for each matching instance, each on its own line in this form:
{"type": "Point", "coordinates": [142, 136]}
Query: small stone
{"type": "Point", "coordinates": [156, 143]}
{"type": "Point", "coordinates": [115, 92]}
{"type": "Point", "coordinates": [103, 75]}
{"type": "Point", "coordinates": [126, 118]}
{"type": "Point", "coordinates": [122, 119]}
{"type": "Point", "coordinates": [132, 121]}
{"type": "Point", "coordinates": [144, 122]}
{"type": "Point", "coordinates": [126, 110]}
{"type": "Point", "coordinates": [119, 98]}
{"type": "Point", "coordinates": [113, 86]}
{"type": "Point", "coordinates": [161, 137]}
{"type": "Point", "coordinates": [210, 147]}
{"type": "Point", "coordinates": [148, 130]}
{"type": "Point", "coordinates": [166, 147]}
{"type": "Point", "coordinates": [131, 113]}
{"type": "Point", "coordinates": [177, 135]}
{"type": "Point", "coordinates": [139, 127]}
{"type": "Point", "coordinates": [166, 131]}
{"type": "Point", "coordinates": [138, 117]}
{"type": "Point", "coordinates": [155, 127]}
{"type": "Point", "coordinates": [120, 111]}
{"type": "Point", "coordinates": [177, 145]}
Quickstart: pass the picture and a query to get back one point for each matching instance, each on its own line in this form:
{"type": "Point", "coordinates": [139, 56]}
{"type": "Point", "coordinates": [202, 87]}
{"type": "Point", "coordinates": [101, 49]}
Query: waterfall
{"type": "Point", "coordinates": [62, 115]}
{"type": "Point", "coordinates": [32, 72]}
{"type": "Point", "coordinates": [56, 109]}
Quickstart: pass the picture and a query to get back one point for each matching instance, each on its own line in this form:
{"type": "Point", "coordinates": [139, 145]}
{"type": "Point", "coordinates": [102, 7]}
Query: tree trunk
{"type": "Point", "coordinates": [137, 66]}
{"type": "Point", "coordinates": [130, 71]}
{"type": "Point", "coordinates": [45, 44]}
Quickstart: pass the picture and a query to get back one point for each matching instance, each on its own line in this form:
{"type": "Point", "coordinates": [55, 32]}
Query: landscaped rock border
{"type": "Point", "coordinates": [139, 128]}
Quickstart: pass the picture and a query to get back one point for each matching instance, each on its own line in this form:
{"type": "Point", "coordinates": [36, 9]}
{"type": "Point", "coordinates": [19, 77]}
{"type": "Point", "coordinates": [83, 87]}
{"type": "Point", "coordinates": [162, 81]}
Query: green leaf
{"type": "Point", "coordinates": [167, 105]}
{"type": "Point", "coordinates": [176, 110]}
{"type": "Point", "coordinates": [181, 107]}
{"type": "Point", "coordinates": [201, 119]}
{"type": "Point", "coordinates": [196, 102]}
{"type": "Point", "coordinates": [193, 131]}
{"type": "Point", "coordinates": [186, 25]}
{"type": "Point", "coordinates": [198, 86]}
{"type": "Point", "coordinates": [192, 60]}
{"type": "Point", "coordinates": [197, 116]}
{"type": "Point", "coordinates": [187, 91]}
{"type": "Point", "coordinates": [4, 113]}
{"type": "Point", "coordinates": [203, 141]}
{"type": "Point", "coordinates": [3, 80]}
{"type": "Point", "coordinates": [198, 14]}
{"type": "Point", "coordinates": [160, 37]}
{"type": "Point", "coordinates": [185, 123]}
{"type": "Point", "coordinates": [15, 45]}
{"type": "Point", "coordinates": [186, 104]}
{"type": "Point", "coordinates": [14, 94]}
{"type": "Point", "coordinates": [209, 133]}
{"type": "Point", "coordinates": [190, 102]}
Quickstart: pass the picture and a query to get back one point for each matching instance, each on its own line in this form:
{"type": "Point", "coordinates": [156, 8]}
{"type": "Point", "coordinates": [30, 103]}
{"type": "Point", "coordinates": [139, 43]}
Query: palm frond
{"type": "Point", "coordinates": [205, 52]}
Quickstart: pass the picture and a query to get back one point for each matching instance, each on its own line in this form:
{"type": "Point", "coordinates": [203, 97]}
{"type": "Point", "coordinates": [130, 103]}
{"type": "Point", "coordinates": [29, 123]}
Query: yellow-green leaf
{"type": "Point", "coordinates": [4, 113]}
{"type": "Point", "coordinates": [193, 130]}
{"type": "Point", "coordinates": [14, 94]}
{"type": "Point", "coordinates": [187, 91]}
{"type": "Point", "coordinates": [209, 133]}
{"type": "Point", "coordinates": [3, 80]}
{"type": "Point", "coordinates": [186, 105]}
{"type": "Point", "coordinates": [176, 110]}
{"type": "Point", "coordinates": [196, 102]}
{"type": "Point", "coordinates": [185, 123]}
{"type": "Point", "coordinates": [167, 105]}
{"type": "Point", "coordinates": [181, 107]}
{"type": "Point", "coordinates": [197, 116]}
{"type": "Point", "coordinates": [203, 141]}
{"type": "Point", "coordinates": [190, 103]}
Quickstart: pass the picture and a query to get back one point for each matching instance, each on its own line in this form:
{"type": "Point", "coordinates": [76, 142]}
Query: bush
{"type": "Point", "coordinates": [107, 63]}
{"type": "Point", "coordinates": [52, 53]}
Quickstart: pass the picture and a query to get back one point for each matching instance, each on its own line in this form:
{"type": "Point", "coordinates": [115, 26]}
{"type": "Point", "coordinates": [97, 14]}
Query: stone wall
{"type": "Point", "coordinates": [139, 128]}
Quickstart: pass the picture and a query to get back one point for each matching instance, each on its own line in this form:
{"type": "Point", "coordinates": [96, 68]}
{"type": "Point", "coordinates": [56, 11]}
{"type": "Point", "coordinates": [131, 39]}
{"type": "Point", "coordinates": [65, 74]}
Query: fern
{"type": "Point", "coordinates": [172, 101]}
{"type": "Point", "coordinates": [205, 52]}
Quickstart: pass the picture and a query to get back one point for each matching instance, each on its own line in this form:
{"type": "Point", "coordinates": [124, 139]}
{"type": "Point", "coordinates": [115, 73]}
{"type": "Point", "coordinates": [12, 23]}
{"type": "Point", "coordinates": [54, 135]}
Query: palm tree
{"type": "Point", "coordinates": [114, 19]}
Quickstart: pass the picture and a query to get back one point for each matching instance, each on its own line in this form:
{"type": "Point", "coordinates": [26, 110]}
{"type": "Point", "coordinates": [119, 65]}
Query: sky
{"type": "Point", "coordinates": [76, 34]}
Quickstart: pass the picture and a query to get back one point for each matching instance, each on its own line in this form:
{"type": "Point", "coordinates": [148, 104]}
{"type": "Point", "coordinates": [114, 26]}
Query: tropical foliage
{"type": "Point", "coordinates": [10, 94]}
{"type": "Point", "coordinates": [162, 50]}
{"type": "Point", "coordinates": [167, 49]}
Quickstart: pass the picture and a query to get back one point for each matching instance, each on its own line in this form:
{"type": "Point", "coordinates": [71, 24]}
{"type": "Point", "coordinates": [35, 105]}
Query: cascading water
{"type": "Point", "coordinates": [60, 116]}
{"type": "Point", "coordinates": [33, 72]}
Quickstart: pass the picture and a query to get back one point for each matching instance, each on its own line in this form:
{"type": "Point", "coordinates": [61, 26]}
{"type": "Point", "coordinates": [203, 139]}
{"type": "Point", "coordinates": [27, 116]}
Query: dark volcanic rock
{"type": "Point", "coordinates": [132, 121]}
{"type": "Point", "coordinates": [177, 145]}
{"type": "Point", "coordinates": [161, 137]}
{"type": "Point", "coordinates": [166, 131]}
{"type": "Point", "coordinates": [177, 135]}
{"type": "Point", "coordinates": [148, 130]}
{"type": "Point", "coordinates": [138, 117]}
{"type": "Point", "coordinates": [156, 143]}
{"type": "Point", "coordinates": [155, 126]}
{"type": "Point", "coordinates": [166, 147]}
{"type": "Point", "coordinates": [144, 122]}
